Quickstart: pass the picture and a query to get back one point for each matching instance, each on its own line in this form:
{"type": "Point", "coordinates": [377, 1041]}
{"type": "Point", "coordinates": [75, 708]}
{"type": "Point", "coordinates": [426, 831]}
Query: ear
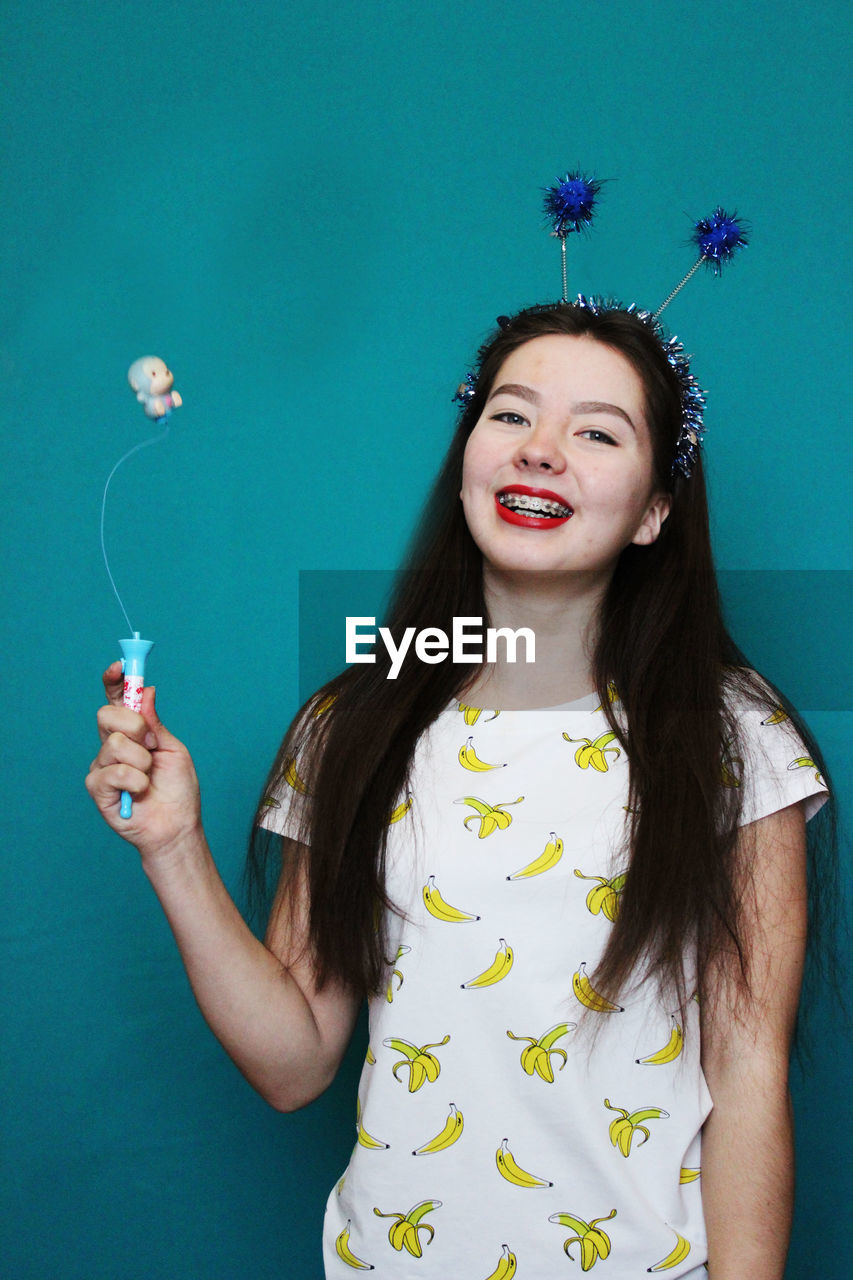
{"type": "Point", "coordinates": [650, 525]}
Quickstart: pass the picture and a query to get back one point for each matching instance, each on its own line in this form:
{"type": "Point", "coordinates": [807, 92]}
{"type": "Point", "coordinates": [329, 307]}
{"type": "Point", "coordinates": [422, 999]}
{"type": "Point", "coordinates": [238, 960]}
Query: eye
{"type": "Point", "coordinates": [598, 436]}
{"type": "Point", "coordinates": [509, 416]}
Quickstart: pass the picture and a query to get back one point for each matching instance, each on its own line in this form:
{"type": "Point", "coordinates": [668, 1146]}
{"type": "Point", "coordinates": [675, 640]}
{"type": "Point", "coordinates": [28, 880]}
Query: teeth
{"type": "Point", "coordinates": [536, 506]}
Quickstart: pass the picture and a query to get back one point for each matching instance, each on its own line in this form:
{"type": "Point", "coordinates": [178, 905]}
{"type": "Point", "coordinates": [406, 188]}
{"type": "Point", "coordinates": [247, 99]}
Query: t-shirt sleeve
{"type": "Point", "coordinates": [284, 808]}
{"type": "Point", "coordinates": [776, 769]}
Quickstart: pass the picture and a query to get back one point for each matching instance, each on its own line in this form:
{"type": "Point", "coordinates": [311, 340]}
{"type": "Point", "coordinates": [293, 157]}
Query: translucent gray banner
{"type": "Point", "coordinates": [794, 626]}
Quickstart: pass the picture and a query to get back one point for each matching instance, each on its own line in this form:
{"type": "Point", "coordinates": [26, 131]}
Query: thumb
{"type": "Point", "coordinates": [156, 729]}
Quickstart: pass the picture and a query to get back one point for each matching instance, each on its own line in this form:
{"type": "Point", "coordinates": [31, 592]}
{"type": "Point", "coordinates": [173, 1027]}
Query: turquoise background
{"type": "Point", "coordinates": [314, 213]}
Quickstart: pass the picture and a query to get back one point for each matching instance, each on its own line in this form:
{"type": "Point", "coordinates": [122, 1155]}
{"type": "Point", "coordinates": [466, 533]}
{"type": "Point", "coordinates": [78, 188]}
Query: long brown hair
{"type": "Point", "coordinates": [661, 642]}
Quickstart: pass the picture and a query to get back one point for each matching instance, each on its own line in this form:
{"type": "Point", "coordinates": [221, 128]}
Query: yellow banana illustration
{"type": "Point", "coordinates": [537, 1056]}
{"type": "Point", "coordinates": [594, 753]}
{"type": "Point", "coordinates": [472, 714]}
{"type": "Point", "coordinates": [270, 802]}
{"type": "Point", "coordinates": [670, 1050]}
{"type": "Point", "coordinates": [405, 1232]}
{"type": "Point", "coordinates": [672, 1259]}
{"type": "Point", "coordinates": [496, 971]}
{"type": "Point", "coordinates": [401, 810]}
{"type": "Point", "coordinates": [370, 1057]}
{"type": "Point", "coordinates": [548, 858]}
{"type": "Point", "coordinates": [402, 950]}
{"type": "Point", "coordinates": [423, 1066]}
{"type": "Point", "coordinates": [604, 897]}
{"type": "Point", "coordinates": [509, 1169]}
{"type": "Point", "coordinates": [506, 1268]}
{"type": "Point", "coordinates": [805, 762]}
{"type": "Point", "coordinates": [730, 769]}
{"type": "Point", "coordinates": [346, 1254]}
{"type": "Point", "coordinates": [688, 1175]}
{"type": "Point", "coordinates": [292, 778]}
{"type": "Point", "coordinates": [442, 910]}
{"type": "Point", "coordinates": [451, 1133]}
{"type": "Point", "coordinates": [469, 759]}
{"type": "Point", "coordinates": [364, 1138]}
{"type": "Point", "coordinates": [779, 716]}
{"type": "Point", "coordinates": [324, 704]}
{"type": "Point", "coordinates": [594, 1242]}
{"type": "Point", "coordinates": [491, 816]}
{"type": "Point", "coordinates": [589, 997]}
{"type": "Point", "coordinates": [622, 1130]}
{"type": "Point", "coordinates": [612, 696]}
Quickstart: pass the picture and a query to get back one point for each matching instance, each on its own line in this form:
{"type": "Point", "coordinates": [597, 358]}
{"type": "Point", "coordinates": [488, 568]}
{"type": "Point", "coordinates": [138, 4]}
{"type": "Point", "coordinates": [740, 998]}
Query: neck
{"type": "Point", "coordinates": [561, 610]}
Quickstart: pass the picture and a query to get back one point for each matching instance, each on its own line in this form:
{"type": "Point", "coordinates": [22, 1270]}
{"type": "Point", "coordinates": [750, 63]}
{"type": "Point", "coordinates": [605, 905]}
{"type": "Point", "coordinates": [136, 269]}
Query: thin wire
{"type": "Point", "coordinates": [668, 299]}
{"type": "Point", "coordinates": [565, 272]}
{"type": "Point", "coordinates": [130, 452]}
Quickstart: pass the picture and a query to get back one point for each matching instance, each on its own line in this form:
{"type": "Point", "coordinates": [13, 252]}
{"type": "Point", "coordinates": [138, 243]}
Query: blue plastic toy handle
{"type": "Point", "coordinates": [135, 652]}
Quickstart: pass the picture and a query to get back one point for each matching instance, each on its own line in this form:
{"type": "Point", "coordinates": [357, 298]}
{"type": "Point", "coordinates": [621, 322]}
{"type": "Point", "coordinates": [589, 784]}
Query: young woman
{"type": "Point", "coordinates": [574, 892]}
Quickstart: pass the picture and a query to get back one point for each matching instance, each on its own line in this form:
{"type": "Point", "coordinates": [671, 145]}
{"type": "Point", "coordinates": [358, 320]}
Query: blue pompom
{"type": "Point", "coordinates": [718, 237]}
{"type": "Point", "coordinates": [569, 203]}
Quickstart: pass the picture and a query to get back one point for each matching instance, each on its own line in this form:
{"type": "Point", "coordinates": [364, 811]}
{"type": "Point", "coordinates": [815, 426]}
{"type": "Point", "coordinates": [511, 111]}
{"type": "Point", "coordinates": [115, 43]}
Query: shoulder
{"type": "Point", "coordinates": [765, 749]}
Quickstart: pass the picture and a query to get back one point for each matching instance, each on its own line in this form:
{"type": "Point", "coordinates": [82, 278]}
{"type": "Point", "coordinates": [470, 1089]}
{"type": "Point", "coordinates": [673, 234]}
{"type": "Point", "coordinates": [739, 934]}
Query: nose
{"type": "Point", "coordinates": [540, 450]}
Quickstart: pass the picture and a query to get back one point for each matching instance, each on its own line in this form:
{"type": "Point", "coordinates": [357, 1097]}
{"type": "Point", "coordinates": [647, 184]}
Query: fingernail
{"type": "Point", "coordinates": [150, 741]}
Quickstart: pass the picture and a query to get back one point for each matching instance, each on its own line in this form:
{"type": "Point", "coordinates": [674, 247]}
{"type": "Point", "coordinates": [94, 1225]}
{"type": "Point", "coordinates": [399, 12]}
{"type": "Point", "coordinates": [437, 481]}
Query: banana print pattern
{"type": "Point", "coordinates": [674, 1257]}
{"type": "Point", "coordinates": [472, 714]}
{"type": "Point", "coordinates": [345, 1253]}
{"type": "Point", "coordinates": [594, 1242]}
{"type": "Point", "coordinates": [670, 1051]}
{"type": "Point", "coordinates": [469, 759]}
{"type": "Point", "coordinates": [401, 810]}
{"type": "Point", "coordinates": [548, 858]}
{"type": "Point", "coordinates": [622, 1129]}
{"type": "Point", "coordinates": [527, 1046]}
{"type": "Point", "coordinates": [507, 1266]}
{"type": "Point", "coordinates": [402, 950]}
{"type": "Point", "coordinates": [491, 817]}
{"type": "Point", "coordinates": [405, 1232]}
{"type": "Point", "coordinates": [604, 897]}
{"type": "Point", "coordinates": [293, 778]}
{"type": "Point", "coordinates": [497, 970]}
{"type": "Point", "coordinates": [451, 1133]}
{"type": "Point", "coordinates": [509, 1169]}
{"type": "Point", "coordinates": [364, 1138]}
{"type": "Point", "coordinates": [422, 1065]}
{"type": "Point", "coordinates": [595, 753]}
{"type": "Point", "coordinates": [537, 1056]}
{"type": "Point", "coordinates": [442, 910]}
{"type": "Point", "coordinates": [589, 997]}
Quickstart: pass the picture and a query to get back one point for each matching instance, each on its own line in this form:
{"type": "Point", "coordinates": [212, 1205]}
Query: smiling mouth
{"type": "Point", "coordinates": [531, 505]}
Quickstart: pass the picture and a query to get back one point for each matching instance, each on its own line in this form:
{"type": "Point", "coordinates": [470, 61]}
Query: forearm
{"type": "Point", "coordinates": [748, 1177]}
{"type": "Point", "coordinates": [252, 1004]}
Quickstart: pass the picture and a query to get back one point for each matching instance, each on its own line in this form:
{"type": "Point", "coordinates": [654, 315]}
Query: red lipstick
{"type": "Point", "coordinates": [524, 520]}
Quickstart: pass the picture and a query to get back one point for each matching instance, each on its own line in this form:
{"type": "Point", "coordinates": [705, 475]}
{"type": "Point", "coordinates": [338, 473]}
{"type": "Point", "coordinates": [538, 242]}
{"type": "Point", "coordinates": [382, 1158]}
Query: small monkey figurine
{"type": "Point", "coordinates": [152, 381]}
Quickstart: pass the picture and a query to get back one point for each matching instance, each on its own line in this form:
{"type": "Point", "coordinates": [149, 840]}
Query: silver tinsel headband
{"type": "Point", "coordinates": [569, 206]}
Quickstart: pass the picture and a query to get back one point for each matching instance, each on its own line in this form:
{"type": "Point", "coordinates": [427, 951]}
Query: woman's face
{"type": "Point", "coordinates": [557, 473]}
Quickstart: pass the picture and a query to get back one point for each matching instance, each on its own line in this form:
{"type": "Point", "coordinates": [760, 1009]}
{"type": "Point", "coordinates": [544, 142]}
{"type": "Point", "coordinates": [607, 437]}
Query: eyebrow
{"type": "Point", "coordinates": [583, 406]}
{"type": "Point", "coordinates": [601, 406]}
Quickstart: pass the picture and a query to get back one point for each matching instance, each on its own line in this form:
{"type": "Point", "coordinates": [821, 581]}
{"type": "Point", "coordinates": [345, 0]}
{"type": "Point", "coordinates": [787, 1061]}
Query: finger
{"type": "Point", "coordinates": [113, 679]}
{"type": "Point", "coordinates": [118, 748]}
{"type": "Point", "coordinates": [159, 734]}
{"type": "Point", "coordinates": [106, 785]}
{"type": "Point", "coordinates": [118, 719]}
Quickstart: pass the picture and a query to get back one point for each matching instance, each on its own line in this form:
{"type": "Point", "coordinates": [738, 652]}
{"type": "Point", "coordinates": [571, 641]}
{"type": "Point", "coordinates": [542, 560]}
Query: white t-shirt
{"type": "Point", "coordinates": [504, 1114]}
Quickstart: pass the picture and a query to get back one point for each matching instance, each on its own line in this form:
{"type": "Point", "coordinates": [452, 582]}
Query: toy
{"type": "Point", "coordinates": [152, 380]}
